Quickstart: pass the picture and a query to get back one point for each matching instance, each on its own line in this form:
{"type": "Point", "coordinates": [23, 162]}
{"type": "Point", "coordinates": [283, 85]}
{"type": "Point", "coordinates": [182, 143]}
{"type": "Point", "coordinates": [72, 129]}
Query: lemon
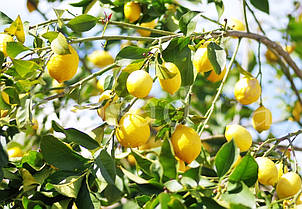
{"type": "Point", "coordinates": [270, 56]}
{"type": "Point", "coordinates": [100, 86]}
{"type": "Point", "coordinates": [247, 90]}
{"type": "Point", "coordinates": [186, 143]}
{"type": "Point", "coordinates": [237, 24]}
{"type": "Point", "coordinates": [281, 169]}
{"type": "Point", "coordinates": [151, 143]}
{"type": "Point", "coordinates": [299, 200]}
{"type": "Point", "coordinates": [106, 95]}
{"type": "Point", "coordinates": [288, 185]}
{"type": "Point", "coordinates": [147, 33]}
{"type": "Point", "coordinates": [132, 11]}
{"type": "Point", "coordinates": [267, 171]}
{"type": "Point", "coordinates": [240, 135]}
{"type": "Point", "coordinates": [55, 84]}
{"type": "Point", "coordinates": [131, 160]}
{"type": "Point", "coordinates": [262, 119]}
{"type": "Point", "coordinates": [139, 83]}
{"type": "Point", "coordinates": [237, 161]}
{"type": "Point", "coordinates": [201, 61]}
{"type": "Point", "coordinates": [4, 38]}
{"type": "Point", "coordinates": [63, 67]}
{"type": "Point", "coordinates": [5, 97]}
{"type": "Point", "coordinates": [214, 77]}
{"type": "Point", "coordinates": [171, 85]}
{"type": "Point", "coordinates": [100, 58]}
{"type": "Point", "coordinates": [133, 130]}
{"type": "Point", "coordinates": [290, 48]}
{"type": "Point", "coordinates": [14, 152]}
{"type": "Point", "coordinates": [297, 110]}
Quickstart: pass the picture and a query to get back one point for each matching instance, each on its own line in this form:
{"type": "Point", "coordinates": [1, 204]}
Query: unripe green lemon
{"type": "Point", "coordinates": [240, 135]}
{"type": "Point", "coordinates": [267, 171]}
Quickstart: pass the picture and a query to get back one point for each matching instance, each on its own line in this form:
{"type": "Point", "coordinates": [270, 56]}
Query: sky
{"type": "Point", "coordinates": [232, 9]}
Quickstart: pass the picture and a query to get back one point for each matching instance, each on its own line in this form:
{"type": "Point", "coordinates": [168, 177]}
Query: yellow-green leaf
{"type": "Point", "coordinates": [16, 29]}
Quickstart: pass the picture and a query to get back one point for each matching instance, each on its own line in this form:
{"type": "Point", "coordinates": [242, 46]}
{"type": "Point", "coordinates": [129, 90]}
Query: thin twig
{"type": "Point", "coordinates": [245, 17]}
{"type": "Point", "coordinates": [257, 21]}
{"type": "Point", "coordinates": [211, 109]}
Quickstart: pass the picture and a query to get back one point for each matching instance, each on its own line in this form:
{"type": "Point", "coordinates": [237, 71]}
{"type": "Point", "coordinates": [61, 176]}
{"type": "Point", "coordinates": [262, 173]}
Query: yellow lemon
{"type": "Point", "coordinates": [214, 77]}
{"type": "Point", "coordinates": [288, 185]}
{"type": "Point", "coordinates": [133, 130]}
{"type": "Point", "coordinates": [290, 48]}
{"type": "Point", "coordinates": [237, 161]}
{"type": "Point", "coordinates": [131, 160]}
{"type": "Point", "coordinates": [4, 38]}
{"type": "Point", "coordinates": [240, 135]}
{"type": "Point", "coordinates": [14, 152]}
{"type": "Point", "coordinates": [297, 110]}
{"type": "Point", "coordinates": [186, 143]}
{"type": "Point", "coordinates": [147, 33]}
{"type": "Point", "coordinates": [106, 95]}
{"type": "Point", "coordinates": [201, 61]}
{"type": "Point", "coordinates": [35, 124]}
{"type": "Point", "coordinates": [267, 171]}
{"type": "Point", "coordinates": [281, 169]}
{"type": "Point", "coordinates": [247, 90]}
{"type": "Point", "coordinates": [151, 143]}
{"type": "Point", "coordinates": [237, 24]}
{"type": "Point", "coordinates": [270, 56]}
{"type": "Point", "coordinates": [262, 119]}
{"type": "Point", "coordinates": [100, 58]}
{"type": "Point", "coordinates": [132, 11]}
{"type": "Point", "coordinates": [5, 97]}
{"type": "Point", "coordinates": [63, 67]}
{"type": "Point", "coordinates": [55, 84]}
{"type": "Point", "coordinates": [171, 85]}
{"type": "Point", "coordinates": [139, 83]}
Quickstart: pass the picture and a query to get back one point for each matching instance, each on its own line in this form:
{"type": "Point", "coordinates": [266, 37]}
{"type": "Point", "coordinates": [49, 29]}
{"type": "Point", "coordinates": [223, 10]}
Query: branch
{"type": "Point", "coordinates": [270, 44]}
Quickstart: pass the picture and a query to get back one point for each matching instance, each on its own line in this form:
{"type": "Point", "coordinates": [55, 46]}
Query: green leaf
{"type": "Point", "coordinates": [132, 52]}
{"type": "Point", "coordinates": [81, 138]}
{"type": "Point", "coordinates": [15, 48]}
{"type": "Point", "coordinates": [76, 136]}
{"type": "Point", "coordinates": [135, 65]}
{"type": "Point", "coordinates": [112, 193]}
{"type": "Point", "coordinates": [244, 72]}
{"type": "Point", "coordinates": [50, 36]}
{"type": "Point", "coordinates": [179, 53]}
{"type": "Point", "coordinates": [210, 203]}
{"type": "Point", "coordinates": [59, 45]}
{"type": "Point", "coordinates": [59, 13]}
{"type": "Point", "coordinates": [85, 4]}
{"type": "Point", "coordinates": [34, 159]}
{"type": "Point", "coordinates": [240, 195]}
{"type": "Point", "coordinates": [24, 67]}
{"type": "Point", "coordinates": [262, 5]}
{"type": "Point", "coordinates": [176, 204]}
{"type": "Point", "coordinates": [82, 23]}
{"type": "Point", "coordinates": [174, 186]}
{"type": "Point", "coordinates": [246, 171]}
{"type": "Point", "coordinates": [4, 19]}
{"type": "Point", "coordinates": [120, 87]}
{"type": "Point", "coordinates": [70, 186]}
{"type": "Point", "coordinates": [142, 200]}
{"type": "Point", "coordinates": [3, 157]}
{"type": "Point", "coordinates": [3, 104]}
{"type": "Point", "coordinates": [186, 25]}
{"type": "Point", "coordinates": [226, 157]}
{"type": "Point", "coordinates": [83, 199]}
{"type": "Point", "coordinates": [133, 177]}
{"type": "Point", "coordinates": [217, 57]}
{"type": "Point", "coordinates": [63, 204]}
{"type": "Point", "coordinates": [58, 154]}
{"type": "Point", "coordinates": [108, 82]}
{"type": "Point", "coordinates": [2, 58]}
{"type": "Point", "coordinates": [167, 160]}
{"type": "Point", "coordinates": [143, 163]}
{"type": "Point", "coordinates": [107, 166]}
{"type": "Point", "coordinates": [13, 95]}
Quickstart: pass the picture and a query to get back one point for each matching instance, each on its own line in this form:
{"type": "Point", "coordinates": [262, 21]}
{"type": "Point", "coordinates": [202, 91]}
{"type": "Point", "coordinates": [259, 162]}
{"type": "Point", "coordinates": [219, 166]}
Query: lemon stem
{"type": "Point", "coordinates": [245, 17]}
{"type": "Point", "coordinates": [257, 21]}
{"type": "Point", "coordinates": [260, 71]}
{"type": "Point", "coordinates": [202, 126]}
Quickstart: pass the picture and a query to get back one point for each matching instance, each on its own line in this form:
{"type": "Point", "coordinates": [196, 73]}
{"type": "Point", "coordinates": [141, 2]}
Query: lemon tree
{"type": "Point", "coordinates": [151, 104]}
